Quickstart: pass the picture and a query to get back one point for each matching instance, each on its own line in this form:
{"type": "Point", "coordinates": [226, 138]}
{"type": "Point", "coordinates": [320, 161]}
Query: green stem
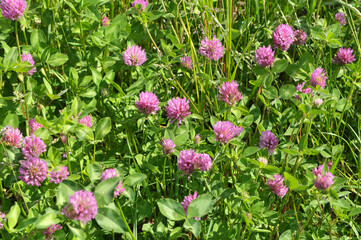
{"type": "Point", "coordinates": [17, 38]}
{"type": "Point", "coordinates": [125, 220]}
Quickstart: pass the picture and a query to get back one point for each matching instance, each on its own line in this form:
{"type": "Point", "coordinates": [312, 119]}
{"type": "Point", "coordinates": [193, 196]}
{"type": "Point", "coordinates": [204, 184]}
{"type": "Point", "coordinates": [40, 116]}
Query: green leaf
{"type": "Point", "coordinates": [12, 120]}
{"type": "Point", "coordinates": [102, 128]}
{"type": "Point", "coordinates": [110, 220]}
{"type": "Point", "coordinates": [260, 70]}
{"type": "Point", "coordinates": [292, 151]}
{"type": "Point", "coordinates": [280, 65]}
{"type": "Point", "coordinates": [200, 206]}
{"type": "Point", "coordinates": [171, 209]}
{"type": "Point", "coordinates": [250, 151]}
{"type": "Point", "coordinates": [96, 75]}
{"type": "Point", "coordinates": [286, 235]}
{"type": "Point", "coordinates": [355, 211]}
{"type": "Point", "coordinates": [54, 155]}
{"type": "Point", "coordinates": [13, 216]}
{"type": "Point", "coordinates": [38, 39]}
{"type": "Point", "coordinates": [57, 59]}
{"type": "Point", "coordinates": [287, 91]}
{"type": "Point", "coordinates": [194, 226]}
{"type": "Point", "coordinates": [268, 79]}
{"type": "Point", "coordinates": [292, 182]}
{"type": "Point", "coordinates": [104, 192]}
{"type": "Point", "coordinates": [134, 179]}
{"type": "Point", "coordinates": [84, 133]}
{"type": "Point", "coordinates": [10, 58]}
{"type": "Point", "coordinates": [95, 172]}
{"type": "Point", "coordinates": [65, 190]}
{"type": "Point", "coordinates": [46, 220]}
{"type": "Point", "coordinates": [78, 232]}
{"type": "Point", "coordinates": [76, 106]}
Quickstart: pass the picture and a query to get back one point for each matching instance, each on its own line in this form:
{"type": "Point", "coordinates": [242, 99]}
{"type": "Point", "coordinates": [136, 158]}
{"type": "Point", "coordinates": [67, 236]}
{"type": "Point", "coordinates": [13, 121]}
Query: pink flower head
{"type": "Point", "coordinates": [2, 218]}
{"type": "Point", "coordinates": [11, 136]}
{"type": "Point", "coordinates": [225, 131]}
{"type": "Point", "coordinates": [317, 102]}
{"type": "Point", "coordinates": [112, 172]}
{"type": "Point", "coordinates": [51, 230]}
{"type": "Point", "coordinates": [168, 146]}
{"type": "Point", "coordinates": [197, 138]}
{"type": "Point", "coordinates": [300, 37]}
{"type": "Point", "coordinates": [177, 109]}
{"type": "Point", "coordinates": [186, 161]}
{"type": "Point", "coordinates": [33, 147]}
{"type": "Point", "coordinates": [268, 140]}
{"type": "Point", "coordinates": [29, 58]}
{"type": "Point", "coordinates": [134, 56]}
{"type": "Point", "coordinates": [82, 206]}
{"type": "Point", "coordinates": [322, 181]}
{"type": "Point", "coordinates": [277, 186]}
{"type": "Point", "coordinates": [203, 162]}
{"type": "Point", "coordinates": [263, 160]}
{"type": "Point", "coordinates": [229, 93]}
{"type": "Point", "coordinates": [318, 77]}
{"type": "Point", "coordinates": [186, 62]}
{"type": "Point", "coordinates": [187, 200]}
{"type": "Point", "coordinates": [148, 103]}
{"type": "Point", "coordinates": [283, 37]}
{"type": "Point", "coordinates": [87, 121]}
{"type": "Point", "coordinates": [344, 56]}
{"type": "Point", "coordinates": [211, 49]}
{"type": "Point", "coordinates": [299, 88]}
{"type": "Point", "coordinates": [265, 56]}
{"type": "Point", "coordinates": [34, 125]}
{"type": "Point", "coordinates": [340, 17]}
{"type": "Point", "coordinates": [12, 9]}
{"type": "Point", "coordinates": [33, 171]}
{"type": "Point", "coordinates": [143, 4]}
{"type": "Point", "coordinates": [59, 174]}
{"type": "Point", "coordinates": [105, 22]}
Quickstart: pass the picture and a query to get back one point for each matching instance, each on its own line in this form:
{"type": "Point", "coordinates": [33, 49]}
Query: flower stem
{"type": "Point", "coordinates": [124, 220]}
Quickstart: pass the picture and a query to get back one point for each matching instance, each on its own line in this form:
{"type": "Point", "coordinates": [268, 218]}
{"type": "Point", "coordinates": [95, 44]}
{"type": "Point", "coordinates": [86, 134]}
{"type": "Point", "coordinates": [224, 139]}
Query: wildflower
{"type": "Point", "coordinates": [63, 138]}
{"type": "Point", "coordinates": [12, 9]}
{"type": "Point", "coordinates": [59, 174]}
{"type": "Point", "coordinates": [105, 22]}
{"type": "Point", "coordinates": [11, 136]}
{"type": "Point", "coordinates": [340, 17]}
{"type": "Point", "coordinates": [167, 146]}
{"type": "Point", "coordinates": [317, 102]}
{"type": "Point", "coordinates": [322, 181]}
{"type": "Point", "coordinates": [277, 186]}
{"type": "Point", "coordinates": [134, 56]}
{"type": "Point", "coordinates": [197, 138]}
{"type": "Point", "coordinates": [186, 62]}
{"type": "Point", "coordinates": [33, 147]}
{"type": "Point", "coordinates": [87, 121]}
{"type": "Point", "coordinates": [268, 140]}
{"type": "Point", "coordinates": [33, 171]}
{"type": "Point", "coordinates": [187, 200]}
{"type": "Point", "coordinates": [148, 103]}
{"type": "Point", "coordinates": [82, 206]}
{"type": "Point", "coordinates": [187, 160]}
{"type": "Point", "coordinates": [283, 37]}
{"type": "Point", "coordinates": [225, 131]}
{"type": "Point", "coordinates": [211, 49]}
{"type": "Point", "coordinates": [299, 88]}
{"type": "Point", "coordinates": [34, 125]}
{"type": "Point", "coordinates": [318, 77]}
{"type": "Point", "coordinates": [143, 4]}
{"type": "Point", "coordinates": [265, 56]}
{"type": "Point", "coordinates": [2, 218]}
{"type": "Point", "coordinates": [263, 160]}
{"type": "Point", "coordinates": [177, 109]}
{"type": "Point", "coordinates": [300, 37]}
{"type": "Point", "coordinates": [51, 230]}
{"type": "Point", "coordinates": [64, 154]}
{"type": "Point", "coordinates": [344, 56]}
{"type": "Point", "coordinates": [229, 93]}
{"type": "Point", "coordinates": [112, 172]}
{"type": "Point", "coordinates": [29, 58]}
{"type": "Point", "coordinates": [203, 162]}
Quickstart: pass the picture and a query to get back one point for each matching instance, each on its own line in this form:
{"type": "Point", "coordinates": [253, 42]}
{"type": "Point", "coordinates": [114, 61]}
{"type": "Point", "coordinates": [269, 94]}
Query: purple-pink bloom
{"type": "Point", "coordinates": [2, 218]}
{"type": "Point", "coordinates": [112, 172]}
{"type": "Point", "coordinates": [33, 171]}
{"type": "Point", "coordinates": [299, 88]}
{"type": "Point", "coordinates": [11, 136]}
{"type": "Point", "coordinates": [59, 174]}
{"type": "Point", "coordinates": [12, 9]}
{"type": "Point", "coordinates": [229, 93]}
{"type": "Point", "coordinates": [283, 37]}
{"type": "Point", "coordinates": [300, 37]}
{"type": "Point", "coordinates": [168, 146]}
{"type": "Point", "coordinates": [211, 49]}
{"type": "Point", "coordinates": [317, 102]}
{"type": "Point", "coordinates": [105, 22]}
{"type": "Point", "coordinates": [322, 181]}
{"type": "Point", "coordinates": [344, 56]}
{"type": "Point", "coordinates": [265, 56]}
{"type": "Point", "coordinates": [87, 121]}
{"type": "Point", "coordinates": [203, 162]}
{"type": "Point", "coordinates": [29, 58]}
{"type": "Point", "coordinates": [186, 161]}
{"type": "Point", "coordinates": [263, 160]}
{"type": "Point", "coordinates": [134, 56]}
{"type": "Point", "coordinates": [225, 131]}
{"type": "Point", "coordinates": [197, 138]}
{"type": "Point", "coordinates": [143, 4]}
{"type": "Point", "coordinates": [318, 77]}
{"type": "Point", "coordinates": [186, 62]}
{"type": "Point", "coordinates": [34, 125]}
{"type": "Point", "coordinates": [268, 140]}
{"type": "Point", "coordinates": [187, 200]}
{"type": "Point", "coordinates": [277, 186]}
{"type": "Point", "coordinates": [51, 230]}
{"type": "Point", "coordinates": [82, 206]}
{"type": "Point", "coordinates": [33, 147]}
{"type": "Point", "coordinates": [148, 103]}
{"type": "Point", "coordinates": [177, 109]}
{"type": "Point", "coordinates": [340, 17]}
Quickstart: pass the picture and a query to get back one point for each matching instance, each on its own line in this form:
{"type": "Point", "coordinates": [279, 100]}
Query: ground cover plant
{"type": "Point", "coordinates": [190, 119]}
